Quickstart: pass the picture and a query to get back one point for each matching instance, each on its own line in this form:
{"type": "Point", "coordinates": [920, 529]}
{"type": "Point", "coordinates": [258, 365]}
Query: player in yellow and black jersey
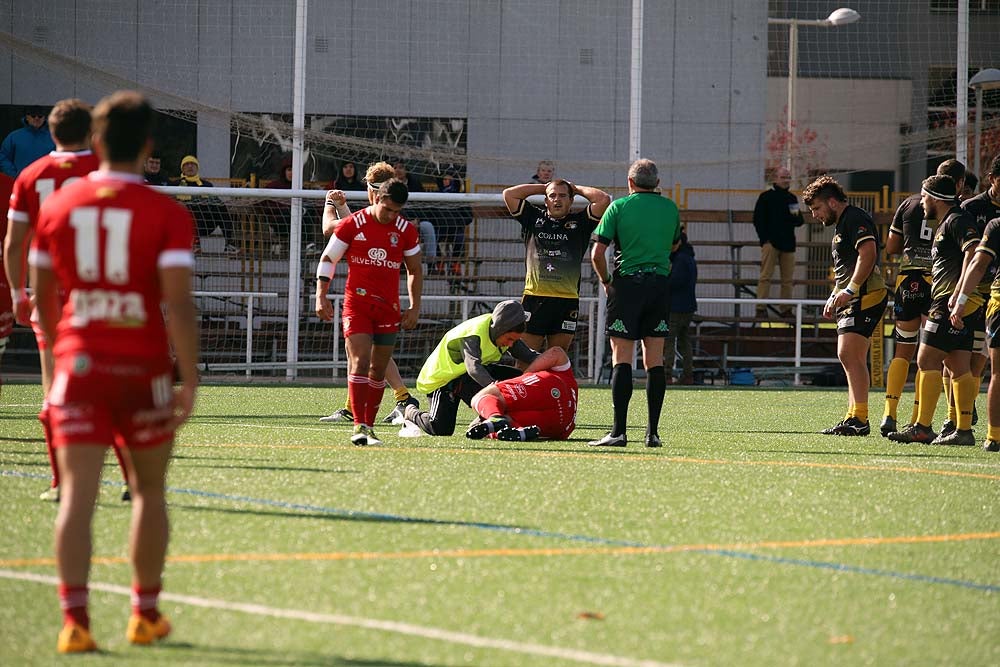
{"type": "Point", "coordinates": [859, 297]}
{"type": "Point", "coordinates": [941, 341]}
{"type": "Point", "coordinates": [911, 236]}
{"type": "Point", "coordinates": [987, 253]}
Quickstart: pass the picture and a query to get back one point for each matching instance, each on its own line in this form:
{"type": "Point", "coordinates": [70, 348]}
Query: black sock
{"type": "Point", "coordinates": [656, 385]}
{"type": "Point", "coordinates": [621, 394]}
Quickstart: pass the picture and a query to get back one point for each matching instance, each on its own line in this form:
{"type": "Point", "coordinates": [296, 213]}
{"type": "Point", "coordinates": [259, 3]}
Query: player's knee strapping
{"type": "Point", "coordinates": [907, 337]}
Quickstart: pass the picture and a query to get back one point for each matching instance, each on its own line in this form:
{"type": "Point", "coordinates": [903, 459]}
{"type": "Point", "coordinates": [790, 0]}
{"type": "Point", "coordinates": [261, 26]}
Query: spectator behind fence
{"type": "Point", "coordinates": [208, 212]}
{"type": "Point", "coordinates": [276, 213]}
{"type": "Point", "coordinates": [544, 172]}
{"type": "Point", "coordinates": [348, 179]}
{"type": "Point", "coordinates": [420, 216]}
{"type": "Point", "coordinates": [775, 217]}
{"type": "Point", "coordinates": [450, 223]}
{"type": "Point", "coordinates": [26, 144]}
{"type": "Point", "coordinates": [152, 173]}
{"type": "Point", "coordinates": [683, 305]}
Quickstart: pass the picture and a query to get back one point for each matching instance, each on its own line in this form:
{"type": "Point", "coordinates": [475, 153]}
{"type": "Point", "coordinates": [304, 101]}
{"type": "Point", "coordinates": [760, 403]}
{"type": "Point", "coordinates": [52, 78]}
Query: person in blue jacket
{"type": "Point", "coordinates": [683, 305]}
{"type": "Point", "coordinates": [25, 145]}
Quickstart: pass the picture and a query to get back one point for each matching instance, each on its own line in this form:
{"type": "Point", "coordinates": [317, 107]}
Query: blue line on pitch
{"type": "Point", "coordinates": [532, 532]}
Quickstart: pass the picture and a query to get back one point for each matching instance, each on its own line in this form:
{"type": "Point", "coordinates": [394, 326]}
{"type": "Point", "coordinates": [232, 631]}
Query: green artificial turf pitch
{"type": "Point", "coordinates": [748, 539]}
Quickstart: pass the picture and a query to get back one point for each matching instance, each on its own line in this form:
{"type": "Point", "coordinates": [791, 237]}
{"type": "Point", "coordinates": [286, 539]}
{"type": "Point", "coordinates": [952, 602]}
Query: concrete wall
{"type": "Point", "coordinates": [536, 79]}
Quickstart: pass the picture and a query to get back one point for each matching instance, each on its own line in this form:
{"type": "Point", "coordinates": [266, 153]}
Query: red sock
{"type": "Point", "coordinates": [73, 601]}
{"type": "Point", "coordinates": [357, 395]}
{"type": "Point", "coordinates": [488, 406]}
{"type": "Point", "coordinates": [121, 462]}
{"type": "Point", "coordinates": [43, 417]}
{"type": "Point", "coordinates": [144, 602]}
{"type": "Point", "coordinates": [376, 388]}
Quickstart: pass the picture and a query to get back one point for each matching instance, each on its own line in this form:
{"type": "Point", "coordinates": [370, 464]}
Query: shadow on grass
{"type": "Point", "coordinates": [227, 418]}
{"type": "Point", "coordinates": [193, 654]}
{"type": "Point", "coordinates": [25, 464]}
{"type": "Point", "coordinates": [6, 439]}
{"type": "Point", "coordinates": [273, 468]}
{"type": "Point", "coordinates": [344, 515]}
{"type": "Point", "coordinates": [199, 457]}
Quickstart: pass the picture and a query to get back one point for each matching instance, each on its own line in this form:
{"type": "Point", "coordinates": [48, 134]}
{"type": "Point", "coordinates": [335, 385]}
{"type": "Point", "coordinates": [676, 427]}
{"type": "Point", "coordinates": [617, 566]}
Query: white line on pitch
{"type": "Point", "coordinates": [368, 624]}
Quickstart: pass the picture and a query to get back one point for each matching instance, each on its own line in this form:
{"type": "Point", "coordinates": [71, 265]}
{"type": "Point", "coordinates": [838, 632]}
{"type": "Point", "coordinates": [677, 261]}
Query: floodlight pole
{"type": "Point", "coordinates": [838, 17]}
{"type": "Point", "coordinates": [295, 233]}
{"type": "Point", "coordinates": [962, 84]}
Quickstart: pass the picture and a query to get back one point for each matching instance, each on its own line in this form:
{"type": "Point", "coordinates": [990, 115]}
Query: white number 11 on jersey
{"type": "Point", "coordinates": [117, 222]}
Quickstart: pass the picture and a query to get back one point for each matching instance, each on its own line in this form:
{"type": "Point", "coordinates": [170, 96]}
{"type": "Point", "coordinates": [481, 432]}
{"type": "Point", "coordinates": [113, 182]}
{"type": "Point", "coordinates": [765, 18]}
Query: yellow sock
{"type": "Point", "coordinates": [930, 392]}
{"type": "Point", "coordinates": [402, 394]}
{"type": "Point", "coordinates": [993, 433]}
{"type": "Point", "coordinates": [895, 378]}
{"type": "Point", "coordinates": [965, 389]}
{"type": "Point", "coordinates": [860, 411]}
{"type": "Point", "coordinates": [917, 381]}
{"type": "Point", "coordinates": [949, 395]}
{"type": "Point", "coordinates": [347, 403]}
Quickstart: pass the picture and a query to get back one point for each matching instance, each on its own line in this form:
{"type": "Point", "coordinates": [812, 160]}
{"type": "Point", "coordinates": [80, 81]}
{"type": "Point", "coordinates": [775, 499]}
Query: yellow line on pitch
{"type": "Point", "coordinates": [522, 553]}
{"type": "Point", "coordinates": [634, 457]}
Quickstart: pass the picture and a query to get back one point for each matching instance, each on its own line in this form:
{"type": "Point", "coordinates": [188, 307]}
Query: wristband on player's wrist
{"type": "Point", "coordinates": [961, 299]}
{"type": "Point", "coordinates": [18, 294]}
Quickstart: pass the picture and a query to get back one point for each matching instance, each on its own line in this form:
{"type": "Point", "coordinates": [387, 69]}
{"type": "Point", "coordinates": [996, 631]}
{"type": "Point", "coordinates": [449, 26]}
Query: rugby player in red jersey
{"type": "Point", "coordinates": [118, 250]}
{"type": "Point", "coordinates": [376, 242]}
{"type": "Point", "coordinates": [540, 403]}
{"type": "Point", "coordinates": [69, 122]}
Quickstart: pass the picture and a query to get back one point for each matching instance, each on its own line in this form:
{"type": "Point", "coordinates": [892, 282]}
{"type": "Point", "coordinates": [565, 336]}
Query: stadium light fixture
{"type": "Point", "coordinates": [985, 79]}
{"type": "Point", "coordinates": [837, 18]}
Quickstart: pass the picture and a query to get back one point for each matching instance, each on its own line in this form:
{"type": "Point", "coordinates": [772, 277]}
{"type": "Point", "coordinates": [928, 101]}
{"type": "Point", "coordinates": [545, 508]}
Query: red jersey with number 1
{"type": "Point", "coordinates": [375, 254]}
{"type": "Point", "coordinates": [43, 177]}
{"type": "Point", "coordinates": [105, 238]}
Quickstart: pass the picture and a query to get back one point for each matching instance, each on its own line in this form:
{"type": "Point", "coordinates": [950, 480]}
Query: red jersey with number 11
{"type": "Point", "coordinates": [105, 238]}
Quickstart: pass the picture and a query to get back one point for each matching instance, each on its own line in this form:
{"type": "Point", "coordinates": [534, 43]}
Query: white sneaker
{"type": "Point", "coordinates": [341, 415]}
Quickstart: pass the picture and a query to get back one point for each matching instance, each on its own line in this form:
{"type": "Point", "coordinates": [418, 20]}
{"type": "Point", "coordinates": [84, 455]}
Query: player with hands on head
{"type": "Point", "coordinates": [556, 240]}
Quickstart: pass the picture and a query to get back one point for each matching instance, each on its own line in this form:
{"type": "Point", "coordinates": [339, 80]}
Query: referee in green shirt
{"type": "Point", "coordinates": [645, 228]}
